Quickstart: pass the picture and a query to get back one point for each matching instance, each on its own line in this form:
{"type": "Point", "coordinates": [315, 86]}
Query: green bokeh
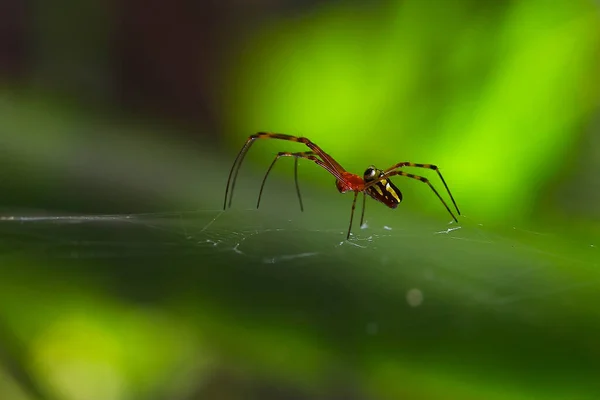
{"type": "Point", "coordinates": [494, 94]}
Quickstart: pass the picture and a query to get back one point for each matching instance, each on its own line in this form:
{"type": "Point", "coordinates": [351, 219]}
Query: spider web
{"type": "Point", "coordinates": [443, 253]}
{"type": "Point", "coordinates": [451, 273]}
{"type": "Point", "coordinates": [236, 231]}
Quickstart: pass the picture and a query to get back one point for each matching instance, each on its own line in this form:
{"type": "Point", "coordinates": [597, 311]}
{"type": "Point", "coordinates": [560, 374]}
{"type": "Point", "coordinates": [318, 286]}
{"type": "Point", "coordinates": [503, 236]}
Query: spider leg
{"type": "Point", "coordinates": [362, 216]}
{"type": "Point", "coordinates": [419, 178]}
{"type": "Point", "coordinates": [352, 214]}
{"type": "Point", "coordinates": [333, 167]}
{"type": "Point", "coordinates": [309, 155]}
{"type": "Point", "coordinates": [428, 166]}
{"type": "Point", "coordinates": [238, 161]}
{"type": "Point", "coordinates": [296, 183]}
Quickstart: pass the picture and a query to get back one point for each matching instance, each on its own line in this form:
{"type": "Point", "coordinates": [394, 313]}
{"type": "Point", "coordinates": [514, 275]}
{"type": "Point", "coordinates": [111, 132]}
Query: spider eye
{"type": "Point", "coordinates": [370, 173]}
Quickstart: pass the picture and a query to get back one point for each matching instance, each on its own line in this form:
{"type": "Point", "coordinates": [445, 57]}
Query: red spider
{"type": "Point", "coordinates": [374, 182]}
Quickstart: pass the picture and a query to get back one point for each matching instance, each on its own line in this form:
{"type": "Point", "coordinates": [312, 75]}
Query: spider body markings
{"type": "Point", "coordinates": [383, 190]}
{"type": "Point", "coordinates": [374, 182]}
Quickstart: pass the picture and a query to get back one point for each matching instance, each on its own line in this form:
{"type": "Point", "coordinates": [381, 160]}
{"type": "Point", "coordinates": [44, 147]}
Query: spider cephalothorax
{"type": "Point", "coordinates": [375, 182]}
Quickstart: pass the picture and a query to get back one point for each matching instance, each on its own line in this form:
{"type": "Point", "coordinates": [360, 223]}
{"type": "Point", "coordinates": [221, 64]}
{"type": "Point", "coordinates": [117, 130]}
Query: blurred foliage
{"type": "Point", "coordinates": [492, 92]}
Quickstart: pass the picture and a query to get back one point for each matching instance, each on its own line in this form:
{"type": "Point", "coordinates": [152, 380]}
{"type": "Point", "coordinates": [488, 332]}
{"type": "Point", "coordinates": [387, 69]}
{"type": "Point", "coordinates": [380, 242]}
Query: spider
{"type": "Point", "coordinates": [375, 182]}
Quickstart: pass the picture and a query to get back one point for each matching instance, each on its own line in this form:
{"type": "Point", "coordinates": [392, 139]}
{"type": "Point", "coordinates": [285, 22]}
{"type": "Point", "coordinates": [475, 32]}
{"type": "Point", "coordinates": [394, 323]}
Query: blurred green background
{"type": "Point", "coordinates": [122, 278]}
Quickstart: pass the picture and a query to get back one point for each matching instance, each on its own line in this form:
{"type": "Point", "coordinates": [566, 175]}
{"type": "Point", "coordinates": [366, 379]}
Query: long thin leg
{"type": "Point", "coordinates": [307, 155]}
{"type": "Point", "coordinates": [362, 216]}
{"type": "Point", "coordinates": [240, 158]}
{"type": "Point", "coordinates": [419, 178]}
{"type": "Point", "coordinates": [352, 215]}
{"type": "Point", "coordinates": [296, 182]}
{"type": "Point", "coordinates": [428, 166]}
{"type": "Point", "coordinates": [334, 168]}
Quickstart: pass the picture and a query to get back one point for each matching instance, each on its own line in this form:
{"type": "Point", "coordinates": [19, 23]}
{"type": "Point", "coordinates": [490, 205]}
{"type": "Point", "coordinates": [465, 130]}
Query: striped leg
{"type": "Point", "coordinates": [428, 166]}
{"type": "Point", "coordinates": [332, 166]}
{"type": "Point", "coordinates": [424, 180]}
{"type": "Point", "coordinates": [309, 155]}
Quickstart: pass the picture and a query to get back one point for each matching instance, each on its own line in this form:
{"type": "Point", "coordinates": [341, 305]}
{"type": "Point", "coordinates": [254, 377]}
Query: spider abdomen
{"type": "Point", "coordinates": [383, 190]}
{"type": "Point", "coordinates": [386, 192]}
